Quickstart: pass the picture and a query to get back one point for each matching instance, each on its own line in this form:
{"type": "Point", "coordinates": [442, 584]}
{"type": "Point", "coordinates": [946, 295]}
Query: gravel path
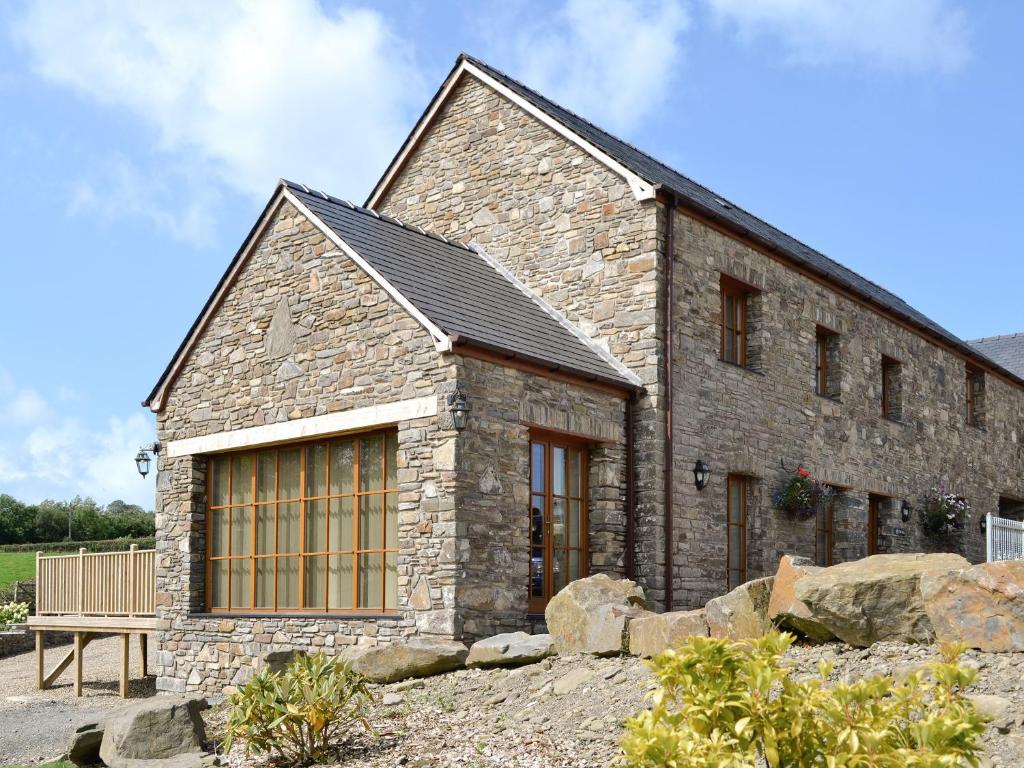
{"type": "Point", "coordinates": [35, 725]}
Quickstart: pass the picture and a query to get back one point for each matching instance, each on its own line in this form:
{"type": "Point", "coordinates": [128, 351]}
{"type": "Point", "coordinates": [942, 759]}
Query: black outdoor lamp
{"type": "Point", "coordinates": [905, 511]}
{"type": "Point", "coordinates": [983, 523]}
{"type": "Point", "coordinates": [459, 408]}
{"type": "Point", "coordinates": [701, 474]}
{"type": "Point", "coordinates": [142, 459]}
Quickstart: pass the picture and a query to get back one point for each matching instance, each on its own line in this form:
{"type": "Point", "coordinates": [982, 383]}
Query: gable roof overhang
{"type": "Point", "coordinates": [652, 180]}
{"type": "Point", "coordinates": [586, 363]}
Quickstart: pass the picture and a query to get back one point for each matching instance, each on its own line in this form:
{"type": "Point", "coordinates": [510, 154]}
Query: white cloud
{"type": "Point", "coordinates": [27, 406]}
{"type": "Point", "coordinates": [911, 35]}
{"type": "Point", "coordinates": [255, 90]}
{"type": "Point", "coordinates": [609, 60]}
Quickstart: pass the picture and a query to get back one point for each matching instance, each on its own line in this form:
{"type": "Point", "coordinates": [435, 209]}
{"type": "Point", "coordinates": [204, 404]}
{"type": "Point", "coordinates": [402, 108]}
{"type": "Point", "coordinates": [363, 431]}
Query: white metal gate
{"type": "Point", "coordinates": [1004, 539]}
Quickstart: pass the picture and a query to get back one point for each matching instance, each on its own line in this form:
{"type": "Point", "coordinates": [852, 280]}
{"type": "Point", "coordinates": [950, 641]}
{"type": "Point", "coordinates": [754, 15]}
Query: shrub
{"type": "Point", "coordinates": [302, 714]}
{"type": "Point", "coordinates": [13, 613]}
{"type": "Point", "coordinates": [725, 704]}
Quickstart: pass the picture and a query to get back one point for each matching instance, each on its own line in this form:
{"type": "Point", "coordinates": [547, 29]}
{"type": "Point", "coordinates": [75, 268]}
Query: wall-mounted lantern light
{"type": "Point", "coordinates": [983, 524]}
{"type": "Point", "coordinates": [905, 511]}
{"type": "Point", "coordinates": [459, 408]}
{"type": "Point", "coordinates": [701, 474]}
{"type": "Point", "coordinates": [142, 459]}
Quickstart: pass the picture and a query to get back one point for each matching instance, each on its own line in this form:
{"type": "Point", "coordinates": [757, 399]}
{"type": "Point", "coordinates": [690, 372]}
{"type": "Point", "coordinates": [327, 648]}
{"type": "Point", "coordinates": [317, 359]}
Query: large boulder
{"type": "Point", "coordinates": [418, 657]}
{"type": "Point", "coordinates": [877, 598]}
{"type": "Point", "coordinates": [510, 649]}
{"type": "Point", "coordinates": [84, 745]}
{"type": "Point", "coordinates": [157, 729]}
{"type": "Point", "coordinates": [743, 613]}
{"type": "Point", "coordinates": [982, 606]}
{"type": "Point", "coordinates": [784, 609]}
{"type": "Point", "coordinates": [592, 615]}
{"type": "Point", "coordinates": [650, 635]}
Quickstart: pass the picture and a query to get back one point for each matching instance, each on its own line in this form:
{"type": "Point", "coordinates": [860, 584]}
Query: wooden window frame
{"type": "Point", "coordinates": [734, 324]}
{"type": "Point", "coordinates": [822, 337]}
{"type": "Point", "coordinates": [356, 553]}
{"type": "Point", "coordinates": [874, 517]}
{"type": "Point", "coordinates": [744, 482]}
{"type": "Point", "coordinates": [550, 441]}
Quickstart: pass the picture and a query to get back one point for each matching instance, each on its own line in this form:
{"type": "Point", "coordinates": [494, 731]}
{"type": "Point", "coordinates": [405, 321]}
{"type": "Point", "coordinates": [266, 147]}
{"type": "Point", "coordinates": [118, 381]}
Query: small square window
{"type": "Point", "coordinates": [826, 365]}
{"type": "Point", "coordinates": [892, 389]}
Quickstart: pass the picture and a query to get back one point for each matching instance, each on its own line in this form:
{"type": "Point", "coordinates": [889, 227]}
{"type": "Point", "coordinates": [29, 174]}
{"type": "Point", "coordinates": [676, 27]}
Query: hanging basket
{"type": "Point", "coordinates": [942, 514]}
{"type": "Point", "coordinates": [803, 496]}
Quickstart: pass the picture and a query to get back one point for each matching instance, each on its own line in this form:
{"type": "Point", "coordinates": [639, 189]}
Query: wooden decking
{"type": "Point", "coordinates": [89, 594]}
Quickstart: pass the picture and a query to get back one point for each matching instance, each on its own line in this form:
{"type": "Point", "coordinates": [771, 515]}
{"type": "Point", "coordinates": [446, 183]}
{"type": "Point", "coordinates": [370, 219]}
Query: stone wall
{"type": "Point", "coordinates": [757, 422]}
{"type": "Point", "coordinates": [302, 333]}
{"type": "Point", "coordinates": [493, 488]}
{"type": "Point", "coordinates": [489, 173]}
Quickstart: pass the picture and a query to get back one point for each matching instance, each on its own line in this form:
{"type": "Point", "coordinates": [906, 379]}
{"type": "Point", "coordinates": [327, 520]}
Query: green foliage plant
{"type": "Point", "coordinates": [13, 613]}
{"type": "Point", "coordinates": [723, 704]}
{"type": "Point", "coordinates": [301, 715]}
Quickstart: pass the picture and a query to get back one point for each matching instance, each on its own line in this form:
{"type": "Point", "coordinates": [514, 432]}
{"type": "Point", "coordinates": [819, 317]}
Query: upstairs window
{"type": "Point", "coordinates": [826, 372]}
{"type": "Point", "coordinates": [975, 386]}
{"type": "Point", "coordinates": [734, 321]}
{"type": "Point", "coordinates": [892, 389]}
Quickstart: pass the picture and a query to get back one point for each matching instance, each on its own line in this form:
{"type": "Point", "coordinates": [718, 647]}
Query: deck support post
{"type": "Point", "coordinates": [143, 649]}
{"type": "Point", "coordinates": [79, 647]}
{"type": "Point", "coordinates": [40, 669]}
{"type": "Point", "coordinates": [125, 648]}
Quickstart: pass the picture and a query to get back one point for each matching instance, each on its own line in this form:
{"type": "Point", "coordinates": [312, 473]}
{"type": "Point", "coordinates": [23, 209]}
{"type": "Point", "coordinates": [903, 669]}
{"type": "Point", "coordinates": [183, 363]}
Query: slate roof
{"type": "Point", "coordinates": [1007, 350]}
{"type": "Point", "coordinates": [462, 293]}
{"type": "Point", "coordinates": [718, 208]}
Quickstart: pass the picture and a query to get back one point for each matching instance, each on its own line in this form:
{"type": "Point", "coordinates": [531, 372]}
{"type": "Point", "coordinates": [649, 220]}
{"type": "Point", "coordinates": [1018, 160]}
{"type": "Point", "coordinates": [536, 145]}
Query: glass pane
{"type": "Point", "coordinates": [287, 582]}
{"type": "Point", "coordinates": [241, 530]}
{"type": "Point", "coordinates": [537, 521]}
{"type": "Point", "coordinates": [342, 524]}
{"type": "Point", "coordinates": [730, 312]}
{"type": "Point", "coordinates": [288, 527]}
{"type": "Point", "coordinates": [371, 470]}
{"type": "Point", "coordinates": [391, 459]}
{"type": "Point", "coordinates": [729, 353]}
{"type": "Point", "coordinates": [316, 470]}
{"type": "Point", "coordinates": [339, 593]}
{"type": "Point", "coordinates": [371, 581]}
{"type": "Point", "coordinates": [574, 524]}
{"type": "Point", "coordinates": [316, 582]}
{"type": "Point", "coordinates": [219, 584]}
{"type": "Point", "coordinates": [735, 578]}
{"type": "Point", "coordinates": [574, 565]}
{"type": "Point", "coordinates": [735, 546]}
{"type": "Point", "coordinates": [240, 583]}
{"type": "Point", "coordinates": [391, 580]}
{"type": "Point", "coordinates": [371, 521]}
{"type": "Point", "coordinates": [735, 500]}
{"type": "Point", "coordinates": [316, 526]}
{"type": "Point", "coordinates": [536, 572]}
{"type": "Point", "coordinates": [241, 480]}
{"type": "Point", "coordinates": [288, 467]}
{"type": "Point", "coordinates": [558, 470]}
{"type": "Point", "coordinates": [558, 521]}
{"type": "Point", "coordinates": [343, 467]}
{"type": "Point", "coordinates": [265, 544]}
{"type": "Point", "coordinates": [575, 472]}
{"type": "Point", "coordinates": [537, 467]}
{"type": "Point", "coordinates": [266, 475]}
{"type": "Point", "coordinates": [391, 527]}
{"type": "Point", "coordinates": [219, 481]}
{"type": "Point", "coordinates": [218, 532]}
{"type": "Point", "coordinates": [559, 570]}
{"type": "Point", "coordinates": [265, 582]}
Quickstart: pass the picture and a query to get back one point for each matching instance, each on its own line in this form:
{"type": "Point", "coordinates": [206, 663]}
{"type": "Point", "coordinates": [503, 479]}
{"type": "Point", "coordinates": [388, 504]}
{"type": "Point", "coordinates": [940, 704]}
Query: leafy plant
{"type": "Point", "coordinates": [13, 613]}
{"type": "Point", "coordinates": [302, 714]}
{"type": "Point", "coordinates": [943, 513]}
{"type": "Point", "coordinates": [803, 495]}
{"type": "Point", "coordinates": [725, 704]}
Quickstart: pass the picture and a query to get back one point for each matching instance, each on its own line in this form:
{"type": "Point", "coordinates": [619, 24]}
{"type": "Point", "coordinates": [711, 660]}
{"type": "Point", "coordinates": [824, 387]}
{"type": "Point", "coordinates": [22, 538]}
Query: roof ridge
{"type": "Point", "coordinates": [722, 199]}
{"type": "Point", "coordinates": [376, 214]}
{"type": "Point", "coordinates": [997, 337]}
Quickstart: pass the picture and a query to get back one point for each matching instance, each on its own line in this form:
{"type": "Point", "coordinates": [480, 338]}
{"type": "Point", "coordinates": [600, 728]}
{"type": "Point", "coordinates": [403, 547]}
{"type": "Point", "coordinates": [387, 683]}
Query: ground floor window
{"type": "Point", "coordinates": [736, 538]}
{"type": "Point", "coordinates": [310, 527]}
{"type": "Point", "coordinates": [558, 515]}
{"type": "Point", "coordinates": [874, 515]}
{"type": "Point", "coordinates": [824, 534]}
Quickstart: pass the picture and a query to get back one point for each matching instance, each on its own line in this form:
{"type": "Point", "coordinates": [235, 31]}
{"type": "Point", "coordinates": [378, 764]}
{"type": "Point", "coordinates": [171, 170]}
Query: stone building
{"type": "Point", "coordinates": [426, 415]}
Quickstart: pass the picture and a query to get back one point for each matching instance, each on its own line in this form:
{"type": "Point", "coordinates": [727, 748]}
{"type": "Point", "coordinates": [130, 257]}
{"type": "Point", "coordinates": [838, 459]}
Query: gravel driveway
{"type": "Point", "coordinates": [35, 725]}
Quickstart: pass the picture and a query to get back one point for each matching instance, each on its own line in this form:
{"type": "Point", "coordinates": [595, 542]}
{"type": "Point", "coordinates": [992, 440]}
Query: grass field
{"type": "Point", "coordinates": [17, 566]}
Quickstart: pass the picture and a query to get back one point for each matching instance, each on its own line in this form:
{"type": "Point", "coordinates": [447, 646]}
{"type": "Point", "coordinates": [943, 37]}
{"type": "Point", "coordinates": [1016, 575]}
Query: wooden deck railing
{"type": "Point", "coordinates": [97, 584]}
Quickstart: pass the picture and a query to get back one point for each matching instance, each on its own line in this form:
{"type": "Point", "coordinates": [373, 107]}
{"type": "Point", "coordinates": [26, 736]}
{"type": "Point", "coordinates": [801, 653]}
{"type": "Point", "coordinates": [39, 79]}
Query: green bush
{"type": "Point", "coordinates": [725, 704]}
{"type": "Point", "coordinates": [303, 714]}
{"type": "Point", "coordinates": [62, 547]}
{"type": "Point", "coordinates": [13, 613]}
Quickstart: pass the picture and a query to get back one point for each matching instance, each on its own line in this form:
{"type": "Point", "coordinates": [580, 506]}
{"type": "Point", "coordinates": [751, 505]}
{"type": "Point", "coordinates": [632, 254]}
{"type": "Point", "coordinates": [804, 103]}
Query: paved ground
{"type": "Point", "coordinates": [35, 725]}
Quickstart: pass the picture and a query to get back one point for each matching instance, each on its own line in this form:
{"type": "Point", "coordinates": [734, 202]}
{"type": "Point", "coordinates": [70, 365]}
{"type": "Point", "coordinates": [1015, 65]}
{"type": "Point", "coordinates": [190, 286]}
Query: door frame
{"type": "Point", "coordinates": [551, 439]}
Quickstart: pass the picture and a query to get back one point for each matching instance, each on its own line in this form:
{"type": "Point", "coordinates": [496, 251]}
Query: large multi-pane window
{"type": "Point", "coordinates": [310, 527]}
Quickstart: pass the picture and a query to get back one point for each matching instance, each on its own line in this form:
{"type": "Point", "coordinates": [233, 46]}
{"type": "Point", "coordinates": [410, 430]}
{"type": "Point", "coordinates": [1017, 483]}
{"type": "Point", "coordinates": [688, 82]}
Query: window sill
{"type": "Point", "coordinates": [389, 616]}
{"type": "Point", "coordinates": [737, 366]}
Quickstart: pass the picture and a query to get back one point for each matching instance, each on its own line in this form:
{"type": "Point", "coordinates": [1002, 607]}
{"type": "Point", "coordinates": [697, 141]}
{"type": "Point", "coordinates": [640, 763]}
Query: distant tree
{"type": "Point", "coordinates": [48, 521]}
{"type": "Point", "coordinates": [51, 521]}
{"type": "Point", "coordinates": [17, 521]}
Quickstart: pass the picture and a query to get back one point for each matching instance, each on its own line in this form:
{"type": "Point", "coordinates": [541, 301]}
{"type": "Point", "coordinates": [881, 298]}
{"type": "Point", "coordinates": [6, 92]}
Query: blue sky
{"type": "Point", "coordinates": [139, 141]}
